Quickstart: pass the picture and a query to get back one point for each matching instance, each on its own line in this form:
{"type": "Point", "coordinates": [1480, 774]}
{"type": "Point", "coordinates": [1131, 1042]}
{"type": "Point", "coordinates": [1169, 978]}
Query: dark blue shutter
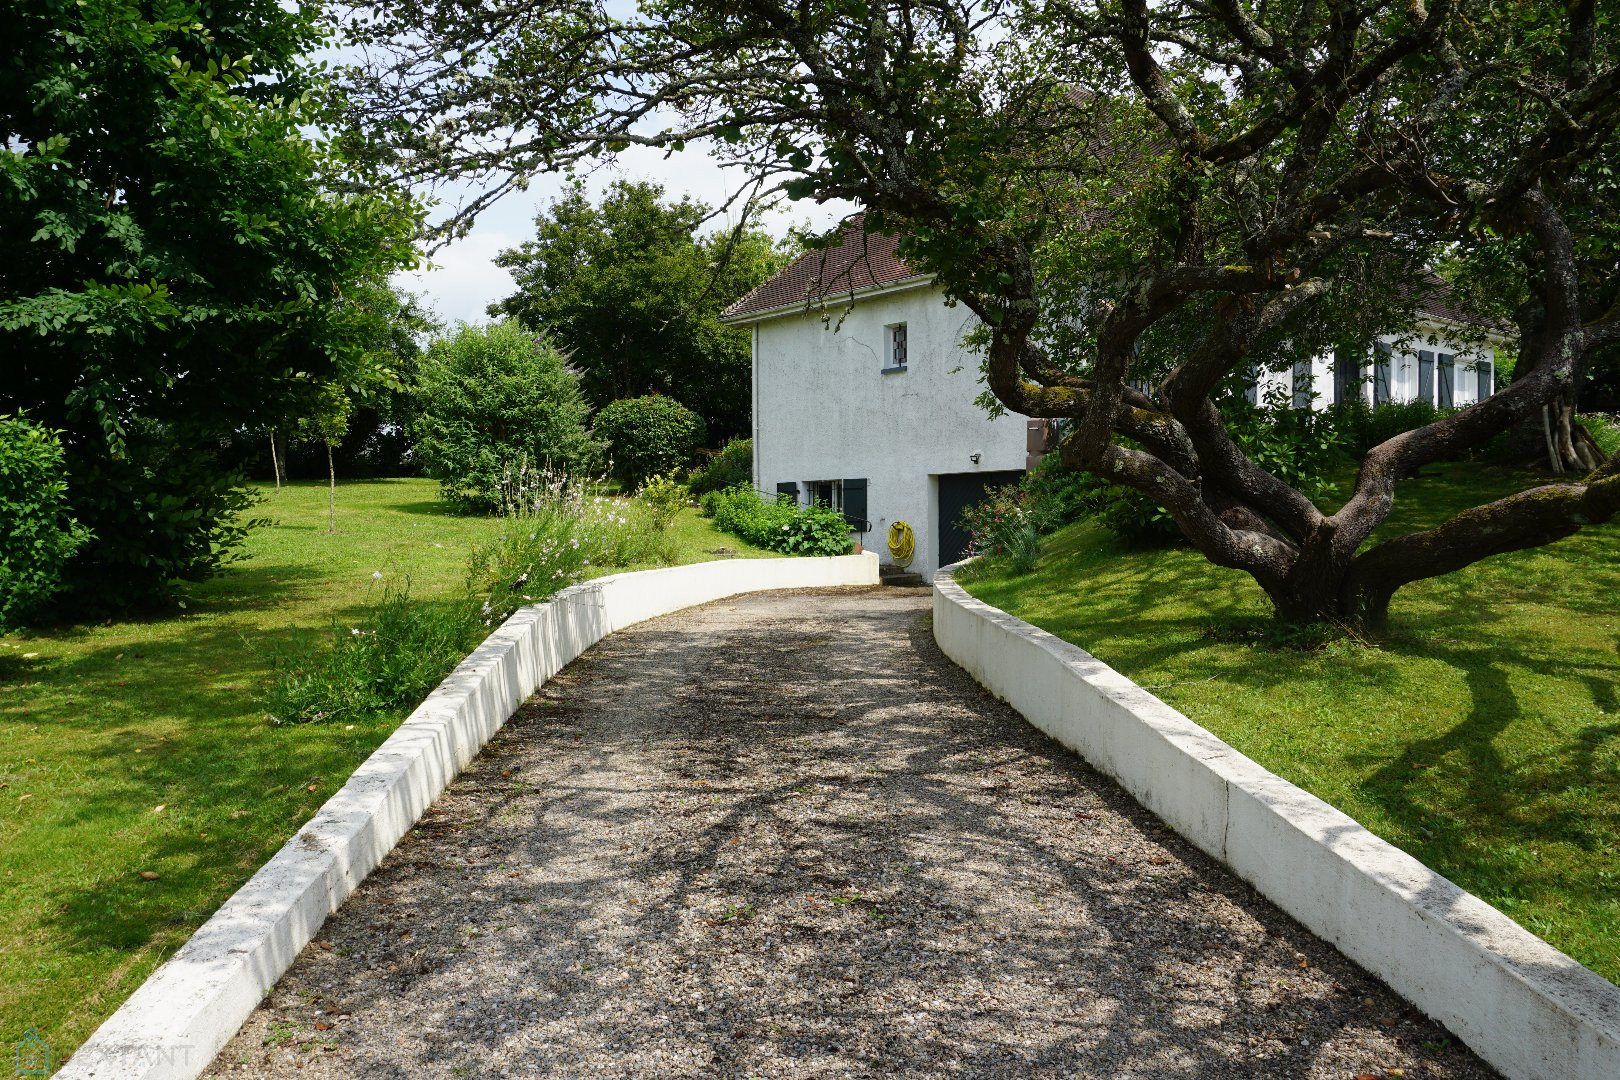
{"type": "Point", "coordinates": [1344, 380]}
{"type": "Point", "coordinates": [1302, 384]}
{"type": "Point", "coordinates": [855, 505]}
{"type": "Point", "coordinates": [1425, 391]}
{"type": "Point", "coordinates": [1448, 366]}
{"type": "Point", "coordinates": [1487, 383]}
{"type": "Point", "coordinates": [1251, 385]}
{"type": "Point", "coordinates": [788, 488]}
{"type": "Point", "coordinates": [1383, 372]}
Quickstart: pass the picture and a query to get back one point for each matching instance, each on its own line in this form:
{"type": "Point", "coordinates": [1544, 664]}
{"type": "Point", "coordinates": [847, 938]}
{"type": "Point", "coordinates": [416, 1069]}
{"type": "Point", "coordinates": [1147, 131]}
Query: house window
{"type": "Point", "coordinates": [895, 346]}
{"type": "Point", "coordinates": [828, 493]}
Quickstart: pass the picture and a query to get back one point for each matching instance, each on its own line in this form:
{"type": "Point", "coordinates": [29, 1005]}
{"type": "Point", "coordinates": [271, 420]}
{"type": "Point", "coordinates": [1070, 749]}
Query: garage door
{"type": "Point", "coordinates": [957, 492]}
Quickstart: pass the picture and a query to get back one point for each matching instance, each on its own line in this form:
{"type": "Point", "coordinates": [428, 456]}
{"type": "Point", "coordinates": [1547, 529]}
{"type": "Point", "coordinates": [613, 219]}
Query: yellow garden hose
{"type": "Point", "coordinates": [902, 544]}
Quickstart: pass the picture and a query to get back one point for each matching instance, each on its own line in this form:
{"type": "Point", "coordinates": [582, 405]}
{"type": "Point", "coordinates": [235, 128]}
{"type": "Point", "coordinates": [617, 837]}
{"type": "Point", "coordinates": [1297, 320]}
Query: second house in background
{"type": "Point", "coordinates": [864, 395]}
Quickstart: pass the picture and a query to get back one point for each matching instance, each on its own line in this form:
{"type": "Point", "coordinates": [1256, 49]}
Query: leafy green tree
{"type": "Point", "coordinates": [498, 405]}
{"type": "Point", "coordinates": [175, 251]}
{"type": "Point", "coordinates": [632, 292]}
{"type": "Point", "coordinates": [1140, 201]}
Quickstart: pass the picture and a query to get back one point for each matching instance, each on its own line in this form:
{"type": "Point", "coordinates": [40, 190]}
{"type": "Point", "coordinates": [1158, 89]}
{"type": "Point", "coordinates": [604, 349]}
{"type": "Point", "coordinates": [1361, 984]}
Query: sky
{"type": "Point", "coordinates": [463, 280]}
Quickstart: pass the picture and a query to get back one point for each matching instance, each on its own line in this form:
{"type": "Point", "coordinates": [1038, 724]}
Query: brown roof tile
{"type": "Point", "coordinates": [856, 261]}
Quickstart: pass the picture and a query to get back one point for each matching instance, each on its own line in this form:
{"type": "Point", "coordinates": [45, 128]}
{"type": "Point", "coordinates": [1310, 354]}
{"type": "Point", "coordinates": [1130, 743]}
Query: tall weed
{"type": "Point", "coordinates": [389, 658]}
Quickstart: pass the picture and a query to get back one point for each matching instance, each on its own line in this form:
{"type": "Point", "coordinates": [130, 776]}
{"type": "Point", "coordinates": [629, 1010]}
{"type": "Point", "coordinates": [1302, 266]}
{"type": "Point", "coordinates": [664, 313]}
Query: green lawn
{"type": "Point", "coordinates": [137, 746]}
{"type": "Point", "coordinates": [1482, 734]}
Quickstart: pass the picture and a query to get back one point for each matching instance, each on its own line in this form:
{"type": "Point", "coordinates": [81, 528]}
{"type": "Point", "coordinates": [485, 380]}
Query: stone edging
{"type": "Point", "coordinates": [174, 1024]}
{"type": "Point", "coordinates": [1519, 1003]}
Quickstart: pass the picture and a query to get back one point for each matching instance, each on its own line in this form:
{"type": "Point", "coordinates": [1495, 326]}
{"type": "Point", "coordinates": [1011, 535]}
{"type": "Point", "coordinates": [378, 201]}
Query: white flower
{"type": "Point", "coordinates": [574, 543]}
{"type": "Point", "coordinates": [355, 630]}
{"type": "Point", "coordinates": [376, 575]}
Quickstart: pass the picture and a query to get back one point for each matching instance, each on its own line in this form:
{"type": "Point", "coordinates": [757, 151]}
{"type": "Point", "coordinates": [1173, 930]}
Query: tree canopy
{"type": "Point", "coordinates": [175, 252]}
{"type": "Point", "coordinates": [1127, 194]}
{"type": "Point", "coordinates": [632, 289]}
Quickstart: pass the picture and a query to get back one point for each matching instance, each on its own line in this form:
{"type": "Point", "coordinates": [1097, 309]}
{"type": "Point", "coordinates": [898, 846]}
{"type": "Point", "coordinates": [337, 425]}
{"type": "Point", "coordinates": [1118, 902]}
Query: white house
{"type": "Point", "coordinates": [1432, 364]}
{"type": "Point", "coordinates": [864, 395]}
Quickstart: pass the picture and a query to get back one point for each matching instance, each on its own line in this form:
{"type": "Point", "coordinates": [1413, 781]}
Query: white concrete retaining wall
{"type": "Point", "coordinates": [191, 1006]}
{"type": "Point", "coordinates": [1523, 1006]}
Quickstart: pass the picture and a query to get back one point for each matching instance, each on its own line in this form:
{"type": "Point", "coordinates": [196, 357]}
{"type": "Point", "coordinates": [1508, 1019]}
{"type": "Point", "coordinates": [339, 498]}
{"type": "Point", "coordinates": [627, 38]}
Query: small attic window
{"type": "Point", "coordinates": [894, 348]}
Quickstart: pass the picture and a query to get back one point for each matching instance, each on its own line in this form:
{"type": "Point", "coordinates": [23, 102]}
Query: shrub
{"type": "Point", "coordinates": [1057, 495]}
{"type": "Point", "coordinates": [37, 534]}
{"type": "Point", "coordinates": [554, 541]}
{"type": "Point", "coordinates": [1003, 529]}
{"type": "Point", "coordinates": [403, 647]}
{"type": "Point", "coordinates": [391, 658]}
{"type": "Point", "coordinates": [538, 555]}
{"type": "Point", "coordinates": [162, 513]}
{"type": "Point", "coordinates": [1362, 427]}
{"type": "Point", "coordinates": [496, 402]}
{"type": "Point", "coordinates": [731, 465]}
{"type": "Point", "coordinates": [648, 436]}
{"type": "Point", "coordinates": [664, 497]}
{"type": "Point", "coordinates": [1300, 447]}
{"type": "Point", "coordinates": [781, 525]}
{"type": "Point", "coordinates": [814, 530]}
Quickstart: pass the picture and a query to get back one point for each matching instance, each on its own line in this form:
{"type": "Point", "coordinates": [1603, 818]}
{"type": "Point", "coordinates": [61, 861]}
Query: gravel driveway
{"type": "Point", "coordinates": [782, 836]}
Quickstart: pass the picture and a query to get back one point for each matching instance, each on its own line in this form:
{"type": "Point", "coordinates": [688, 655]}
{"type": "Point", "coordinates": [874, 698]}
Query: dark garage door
{"type": "Point", "coordinates": [957, 492]}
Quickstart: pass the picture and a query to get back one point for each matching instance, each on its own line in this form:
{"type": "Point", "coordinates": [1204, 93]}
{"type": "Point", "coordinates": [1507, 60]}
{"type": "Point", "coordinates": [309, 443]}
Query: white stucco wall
{"type": "Point", "coordinates": [824, 409]}
{"type": "Point", "coordinates": [1404, 381]}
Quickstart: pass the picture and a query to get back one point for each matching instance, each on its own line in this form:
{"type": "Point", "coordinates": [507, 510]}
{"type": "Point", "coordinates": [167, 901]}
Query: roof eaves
{"type": "Point", "coordinates": [806, 306]}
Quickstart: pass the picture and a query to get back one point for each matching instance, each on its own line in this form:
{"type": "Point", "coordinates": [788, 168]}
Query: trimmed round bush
{"type": "Point", "coordinates": [37, 534]}
{"type": "Point", "coordinates": [649, 436]}
{"type": "Point", "coordinates": [496, 405]}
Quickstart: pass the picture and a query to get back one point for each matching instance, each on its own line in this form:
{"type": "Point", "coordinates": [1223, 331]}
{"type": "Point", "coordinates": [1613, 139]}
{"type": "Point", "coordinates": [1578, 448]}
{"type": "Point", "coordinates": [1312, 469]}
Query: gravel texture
{"type": "Point", "coordinates": [781, 835]}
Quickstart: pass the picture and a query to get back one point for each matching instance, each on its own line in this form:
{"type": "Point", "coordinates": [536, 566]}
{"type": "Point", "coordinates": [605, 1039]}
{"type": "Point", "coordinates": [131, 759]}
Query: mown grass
{"type": "Point", "coordinates": [138, 746]}
{"type": "Point", "coordinates": [1481, 734]}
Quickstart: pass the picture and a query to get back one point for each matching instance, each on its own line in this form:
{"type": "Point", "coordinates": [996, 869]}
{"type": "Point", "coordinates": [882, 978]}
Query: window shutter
{"type": "Point", "coordinates": [1251, 384]}
{"type": "Point", "coordinates": [1425, 391]}
{"type": "Point", "coordinates": [1383, 372]}
{"type": "Point", "coordinates": [855, 505]}
{"type": "Point", "coordinates": [788, 488]}
{"type": "Point", "coordinates": [1302, 384]}
{"type": "Point", "coordinates": [1486, 372]}
{"type": "Point", "coordinates": [1448, 368]}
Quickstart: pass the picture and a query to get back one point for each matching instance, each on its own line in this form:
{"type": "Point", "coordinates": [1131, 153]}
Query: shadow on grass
{"type": "Point", "coordinates": [237, 786]}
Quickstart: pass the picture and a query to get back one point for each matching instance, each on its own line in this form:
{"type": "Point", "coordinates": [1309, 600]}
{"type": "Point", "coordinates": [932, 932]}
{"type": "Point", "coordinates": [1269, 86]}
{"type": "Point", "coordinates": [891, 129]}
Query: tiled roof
{"type": "Point", "coordinates": [856, 261]}
{"type": "Point", "coordinates": [1440, 301]}
{"type": "Point", "coordinates": [859, 260]}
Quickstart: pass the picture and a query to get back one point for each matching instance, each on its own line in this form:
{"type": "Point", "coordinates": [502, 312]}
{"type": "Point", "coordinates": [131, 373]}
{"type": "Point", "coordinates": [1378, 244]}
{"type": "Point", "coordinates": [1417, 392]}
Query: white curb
{"type": "Point", "coordinates": [1519, 1003]}
{"type": "Point", "coordinates": [175, 1023]}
